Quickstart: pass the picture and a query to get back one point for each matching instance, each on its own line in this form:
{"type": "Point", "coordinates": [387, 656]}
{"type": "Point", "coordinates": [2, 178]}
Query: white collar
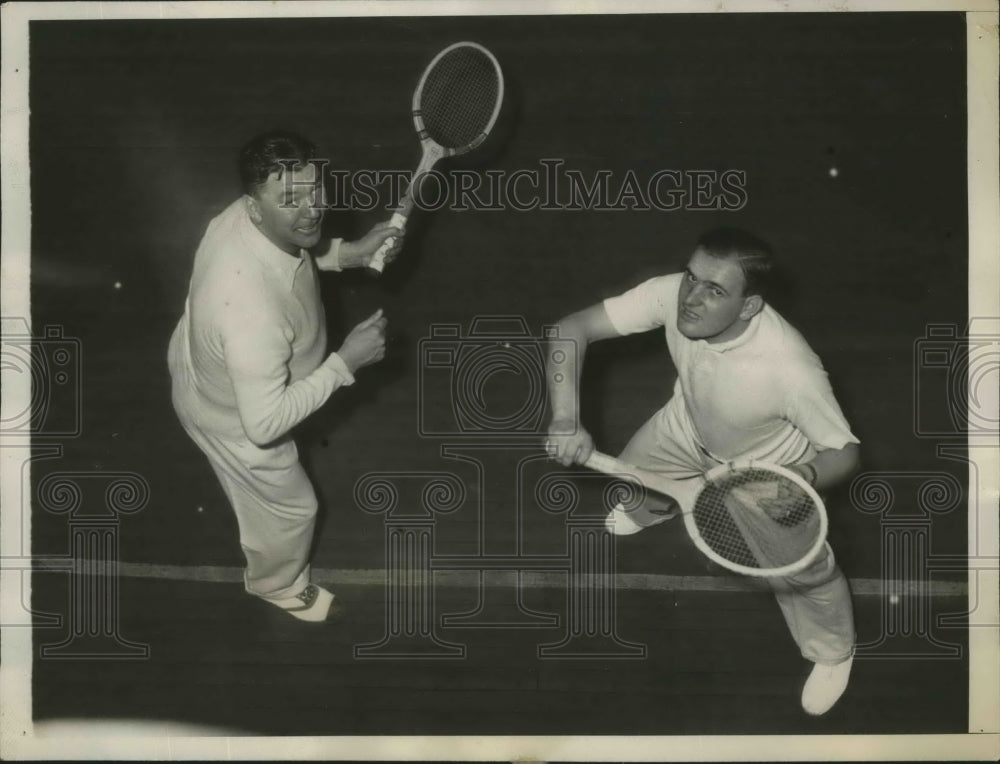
{"type": "Point", "coordinates": [284, 264]}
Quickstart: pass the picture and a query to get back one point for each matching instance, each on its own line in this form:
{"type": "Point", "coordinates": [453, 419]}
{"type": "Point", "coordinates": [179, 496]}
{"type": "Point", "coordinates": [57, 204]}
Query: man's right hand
{"type": "Point", "coordinates": [568, 443]}
{"type": "Point", "coordinates": [365, 344]}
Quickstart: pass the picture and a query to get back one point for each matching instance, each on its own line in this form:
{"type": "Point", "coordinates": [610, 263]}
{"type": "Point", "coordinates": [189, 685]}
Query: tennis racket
{"type": "Point", "coordinates": [751, 517]}
{"type": "Point", "coordinates": [455, 105]}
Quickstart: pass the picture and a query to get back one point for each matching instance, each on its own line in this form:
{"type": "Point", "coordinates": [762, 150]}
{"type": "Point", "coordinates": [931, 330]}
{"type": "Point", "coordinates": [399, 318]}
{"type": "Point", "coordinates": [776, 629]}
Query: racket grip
{"type": "Point", "coordinates": [377, 264]}
{"type": "Point", "coordinates": [609, 465]}
{"type": "Point", "coordinates": [604, 463]}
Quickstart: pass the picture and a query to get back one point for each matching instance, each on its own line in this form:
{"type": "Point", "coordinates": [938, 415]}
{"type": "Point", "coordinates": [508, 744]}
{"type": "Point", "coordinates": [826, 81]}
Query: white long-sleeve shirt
{"type": "Point", "coordinates": [248, 356]}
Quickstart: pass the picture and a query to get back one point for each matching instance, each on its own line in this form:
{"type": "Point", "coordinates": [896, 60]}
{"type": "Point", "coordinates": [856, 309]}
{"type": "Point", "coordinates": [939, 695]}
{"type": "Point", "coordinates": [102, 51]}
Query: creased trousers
{"type": "Point", "coordinates": [815, 602]}
{"type": "Point", "coordinates": [274, 503]}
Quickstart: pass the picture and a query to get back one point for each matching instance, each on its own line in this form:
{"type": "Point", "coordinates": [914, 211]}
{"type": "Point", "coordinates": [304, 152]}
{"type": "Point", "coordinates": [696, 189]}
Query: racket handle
{"type": "Point", "coordinates": [609, 465]}
{"type": "Point", "coordinates": [377, 264]}
{"type": "Point", "coordinates": [683, 491]}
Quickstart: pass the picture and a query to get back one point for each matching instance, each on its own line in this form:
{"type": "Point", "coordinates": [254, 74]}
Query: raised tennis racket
{"type": "Point", "coordinates": [751, 517]}
{"type": "Point", "coordinates": [455, 105]}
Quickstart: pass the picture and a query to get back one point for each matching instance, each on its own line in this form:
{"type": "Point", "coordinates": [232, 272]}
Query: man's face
{"type": "Point", "coordinates": [284, 209]}
{"type": "Point", "coordinates": [711, 305]}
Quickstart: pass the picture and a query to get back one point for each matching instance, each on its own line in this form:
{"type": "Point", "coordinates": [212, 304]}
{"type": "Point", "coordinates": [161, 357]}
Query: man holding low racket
{"type": "Point", "coordinates": [248, 359]}
{"type": "Point", "coordinates": [748, 386]}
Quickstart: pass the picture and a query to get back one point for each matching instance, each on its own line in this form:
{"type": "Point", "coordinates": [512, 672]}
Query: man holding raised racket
{"type": "Point", "coordinates": [748, 386]}
{"type": "Point", "coordinates": [248, 359]}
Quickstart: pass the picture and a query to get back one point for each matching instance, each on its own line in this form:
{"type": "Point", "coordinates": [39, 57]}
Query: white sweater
{"type": "Point", "coordinates": [247, 357]}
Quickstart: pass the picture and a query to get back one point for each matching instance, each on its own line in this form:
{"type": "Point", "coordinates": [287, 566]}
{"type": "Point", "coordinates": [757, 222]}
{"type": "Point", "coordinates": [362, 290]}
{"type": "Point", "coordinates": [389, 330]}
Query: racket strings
{"type": "Point", "coordinates": [459, 97]}
{"type": "Point", "coordinates": [757, 519]}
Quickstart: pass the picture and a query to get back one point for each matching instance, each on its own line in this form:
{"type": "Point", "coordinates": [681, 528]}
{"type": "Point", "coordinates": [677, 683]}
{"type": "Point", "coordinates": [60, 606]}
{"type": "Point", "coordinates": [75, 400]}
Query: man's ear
{"type": "Point", "coordinates": [253, 208]}
{"type": "Point", "coordinates": [752, 305]}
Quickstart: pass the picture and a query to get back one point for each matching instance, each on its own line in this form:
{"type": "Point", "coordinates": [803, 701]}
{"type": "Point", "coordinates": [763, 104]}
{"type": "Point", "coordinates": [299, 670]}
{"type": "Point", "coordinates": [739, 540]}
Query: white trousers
{"type": "Point", "coordinates": [275, 507]}
{"type": "Point", "coordinates": [816, 602]}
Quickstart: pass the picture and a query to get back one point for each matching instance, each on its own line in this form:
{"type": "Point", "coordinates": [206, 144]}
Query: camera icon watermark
{"type": "Point", "coordinates": [490, 381]}
{"type": "Point", "coordinates": [956, 377]}
{"type": "Point", "coordinates": [51, 363]}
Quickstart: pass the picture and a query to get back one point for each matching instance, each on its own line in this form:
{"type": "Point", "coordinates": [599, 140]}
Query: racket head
{"type": "Point", "coordinates": [734, 521]}
{"type": "Point", "coordinates": [458, 98]}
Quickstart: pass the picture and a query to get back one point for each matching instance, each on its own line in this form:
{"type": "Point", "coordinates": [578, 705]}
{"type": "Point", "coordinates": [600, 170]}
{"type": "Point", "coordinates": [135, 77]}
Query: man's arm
{"type": "Point", "coordinates": [339, 254]}
{"type": "Point", "coordinates": [812, 408]}
{"type": "Point", "coordinates": [327, 254]}
{"type": "Point", "coordinates": [831, 467]}
{"type": "Point", "coordinates": [257, 362]}
{"type": "Point", "coordinates": [257, 356]}
{"type": "Point", "coordinates": [568, 440]}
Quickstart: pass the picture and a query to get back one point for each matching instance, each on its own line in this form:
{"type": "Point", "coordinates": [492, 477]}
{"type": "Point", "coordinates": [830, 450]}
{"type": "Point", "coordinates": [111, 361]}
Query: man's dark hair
{"type": "Point", "coordinates": [272, 152]}
{"type": "Point", "coordinates": [753, 254]}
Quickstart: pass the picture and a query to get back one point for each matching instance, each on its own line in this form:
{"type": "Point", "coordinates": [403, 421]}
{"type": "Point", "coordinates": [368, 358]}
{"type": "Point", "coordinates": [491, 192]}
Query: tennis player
{"type": "Point", "coordinates": [748, 386]}
{"type": "Point", "coordinates": [248, 359]}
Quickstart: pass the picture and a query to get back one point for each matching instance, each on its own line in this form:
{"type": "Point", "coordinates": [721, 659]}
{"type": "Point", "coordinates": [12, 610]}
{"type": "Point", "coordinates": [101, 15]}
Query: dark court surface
{"type": "Point", "coordinates": [134, 131]}
{"type": "Point", "coordinates": [715, 663]}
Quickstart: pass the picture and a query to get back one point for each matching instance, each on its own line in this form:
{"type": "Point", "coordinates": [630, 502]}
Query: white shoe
{"type": "Point", "coordinates": [824, 687]}
{"type": "Point", "coordinates": [622, 523]}
{"type": "Point", "coordinates": [311, 604]}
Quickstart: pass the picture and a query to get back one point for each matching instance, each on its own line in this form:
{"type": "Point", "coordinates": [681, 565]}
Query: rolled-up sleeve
{"type": "Point", "coordinates": [810, 405]}
{"type": "Point", "coordinates": [257, 353]}
{"type": "Point", "coordinates": [330, 260]}
{"type": "Point", "coordinates": [643, 307]}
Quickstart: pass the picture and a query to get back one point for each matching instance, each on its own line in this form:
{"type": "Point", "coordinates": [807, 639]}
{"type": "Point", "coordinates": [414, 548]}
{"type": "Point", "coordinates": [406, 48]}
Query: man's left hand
{"type": "Point", "coordinates": [782, 501]}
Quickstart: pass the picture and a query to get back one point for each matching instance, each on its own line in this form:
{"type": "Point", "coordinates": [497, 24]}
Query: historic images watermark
{"type": "Point", "coordinates": [907, 504]}
{"type": "Point", "coordinates": [47, 367]}
{"type": "Point", "coordinates": [457, 367]}
{"type": "Point", "coordinates": [496, 440]}
{"type": "Point", "coordinates": [956, 376]}
{"type": "Point", "coordinates": [50, 363]}
{"type": "Point", "coordinates": [551, 186]}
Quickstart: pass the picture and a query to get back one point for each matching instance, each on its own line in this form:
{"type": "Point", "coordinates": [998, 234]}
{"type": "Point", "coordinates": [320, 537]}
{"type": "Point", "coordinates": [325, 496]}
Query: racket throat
{"type": "Point", "coordinates": [432, 153]}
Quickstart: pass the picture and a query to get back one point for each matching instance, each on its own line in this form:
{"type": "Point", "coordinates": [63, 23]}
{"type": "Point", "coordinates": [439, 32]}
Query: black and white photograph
{"type": "Point", "coordinates": [487, 381]}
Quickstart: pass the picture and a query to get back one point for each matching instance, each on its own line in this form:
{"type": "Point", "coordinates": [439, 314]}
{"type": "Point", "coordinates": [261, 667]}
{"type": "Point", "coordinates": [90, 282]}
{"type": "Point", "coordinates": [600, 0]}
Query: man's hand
{"type": "Point", "coordinates": [358, 254]}
{"type": "Point", "coordinates": [782, 502]}
{"type": "Point", "coordinates": [568, 443]}
{"type": "Point", "coordinates": [365, 344]}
